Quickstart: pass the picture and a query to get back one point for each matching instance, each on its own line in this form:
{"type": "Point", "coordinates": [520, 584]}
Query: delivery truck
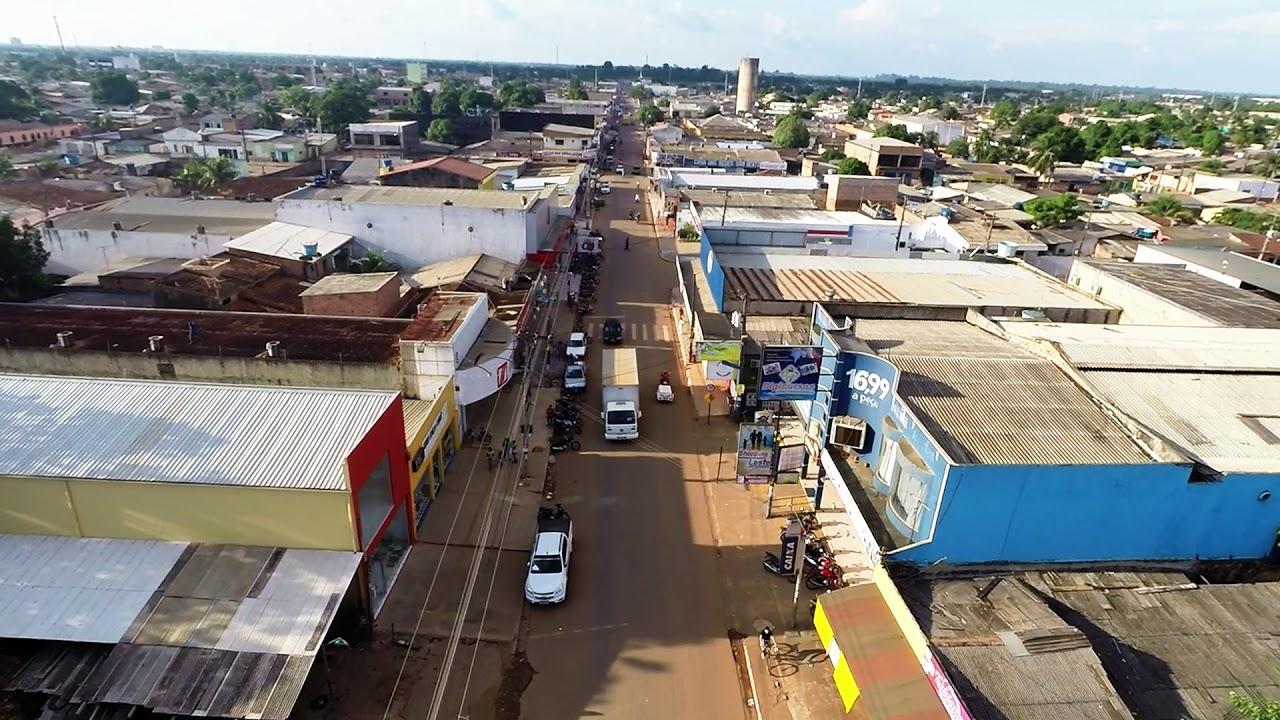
{"type": "Point", "coordinates": [620, 398]}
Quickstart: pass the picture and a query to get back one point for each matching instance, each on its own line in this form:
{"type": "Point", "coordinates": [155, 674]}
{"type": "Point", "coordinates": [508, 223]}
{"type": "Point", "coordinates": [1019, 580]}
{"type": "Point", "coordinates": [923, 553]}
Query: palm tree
{"type": "Point", "coordinates": [1269, 166]}
{"type": "Point", "coordinates": [1168, 206]}
{"type": "Point", "coordinates": [103, 122]}
{"type": "Point", "coordinates": [268, 115]}
{"type": "Point", "coordinates": [207, 173]}
{"type": "Point", "coordinates": [1044, 163]}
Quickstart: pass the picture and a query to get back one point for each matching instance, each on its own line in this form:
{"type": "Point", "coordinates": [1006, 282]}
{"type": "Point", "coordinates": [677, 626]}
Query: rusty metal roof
{"type": "Point", "coordinates": [440, 316]}
{"type": "Point", "coordinates": [893, 685]}
{"type": "Point", "coordinates": [987, 401]}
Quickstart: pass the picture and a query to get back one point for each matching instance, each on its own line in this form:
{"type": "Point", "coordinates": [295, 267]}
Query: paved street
{"type": "Point", "coordinates": [644, 633]}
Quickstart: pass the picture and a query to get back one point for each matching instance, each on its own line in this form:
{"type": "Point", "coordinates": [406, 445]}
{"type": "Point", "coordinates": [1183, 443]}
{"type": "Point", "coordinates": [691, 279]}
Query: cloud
{"type": "Point", "coordinates": [1264, 23]}
{"type": "Point", "coordinates": [869, 12]}
{"type": "Point", "coordinates": [773, 24]}
{"type": "Point", "coordinates": [1162, 26]}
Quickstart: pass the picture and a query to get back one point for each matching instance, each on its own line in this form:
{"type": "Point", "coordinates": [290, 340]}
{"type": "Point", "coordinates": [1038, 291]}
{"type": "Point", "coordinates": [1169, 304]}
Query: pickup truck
{"type": "Point", "coordinates": [548, 580]}
{"type": "Point", "coordinates": [620, 394]}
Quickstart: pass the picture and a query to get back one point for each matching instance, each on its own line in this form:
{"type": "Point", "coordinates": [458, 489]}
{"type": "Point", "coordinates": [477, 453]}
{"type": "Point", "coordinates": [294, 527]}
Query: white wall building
{"type": "Point", "coordinates": [151, 227]}
{"type": "Point", "coordinates": [1259, 187]}
{"type": "Point", "coordinates": [945, 129]}
{"type": "Point", "coordinates": [478, 352]}
{"type": "Point", "coordinates": [568, 141]}
{"type": "Point", "coordinates": [421, 226]}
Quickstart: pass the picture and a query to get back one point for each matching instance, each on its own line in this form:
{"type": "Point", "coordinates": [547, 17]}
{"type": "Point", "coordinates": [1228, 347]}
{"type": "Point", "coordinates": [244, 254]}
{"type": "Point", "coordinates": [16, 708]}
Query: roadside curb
{"type": "Point", "coordinates": [754, 701]}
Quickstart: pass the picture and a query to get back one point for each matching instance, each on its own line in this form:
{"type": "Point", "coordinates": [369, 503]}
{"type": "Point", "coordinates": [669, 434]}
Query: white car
{"type": "Point", "coordinates": [575, 377]}
{"type": "Point", "coordinates": [605, 189]}
{"type": "Point", "coordinates": [576, 348]}
{"type": "Point", "coordinates": [621, 170]}
{"type": "Point", "coordinates": [548, 580]}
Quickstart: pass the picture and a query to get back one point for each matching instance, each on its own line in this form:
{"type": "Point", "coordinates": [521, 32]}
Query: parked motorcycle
{"type": "Point", "coordinates": [560, 443]}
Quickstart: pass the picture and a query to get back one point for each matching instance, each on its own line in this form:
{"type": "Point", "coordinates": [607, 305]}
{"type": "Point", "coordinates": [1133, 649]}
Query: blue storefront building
{"type": "Point", "coordinates": [964, 447]}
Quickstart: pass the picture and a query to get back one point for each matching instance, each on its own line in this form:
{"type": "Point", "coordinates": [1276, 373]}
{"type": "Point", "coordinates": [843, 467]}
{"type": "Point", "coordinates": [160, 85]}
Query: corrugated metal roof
{"type": "Point", "coordinates": [1216, 302]}
{"type": "Point", "coordinates": [1157, 347]}
{"type": "Point", "coordinates": [150, 431]}
{"type": "Point", "coordinates": [287, 241]}
{"type": "Point", "coordinates": [75, 589]}
{"type": "Point", "coordinates": [988, 402]}
{"type": "Point", "coordinates": [416, 413]}
{"type": "Point", "coordinates": [1230, 422]}
{"type": "Point", "coordinates": [954, 283]}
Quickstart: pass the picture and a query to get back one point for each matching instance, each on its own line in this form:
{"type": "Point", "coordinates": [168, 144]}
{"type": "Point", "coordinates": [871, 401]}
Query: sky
{"type": "Point", "coordinates": [1213, 45]}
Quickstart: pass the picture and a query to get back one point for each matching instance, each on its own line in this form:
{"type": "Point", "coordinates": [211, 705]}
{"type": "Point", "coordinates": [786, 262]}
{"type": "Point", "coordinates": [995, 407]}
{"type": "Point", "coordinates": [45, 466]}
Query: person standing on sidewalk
{"type": "Point", "coordinates": [488, 455]}
{"type": "Point", "coordinates": [627, 245]}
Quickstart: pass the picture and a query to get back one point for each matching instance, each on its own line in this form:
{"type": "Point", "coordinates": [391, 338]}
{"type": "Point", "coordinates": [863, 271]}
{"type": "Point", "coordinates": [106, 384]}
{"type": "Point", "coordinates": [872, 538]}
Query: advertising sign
{"type": "Point", "coordinates": [790, 372]}
{"type": "Point", "coordinates": [755, 449]}
{"type": "Point", "coordinates": [791, 548]}
{"type": "Point", "coordinates": [790, 457]}
{"type": "Point", "coordinates": [722, 351]}
{"type": "Point", "coordinates": [872, 382]}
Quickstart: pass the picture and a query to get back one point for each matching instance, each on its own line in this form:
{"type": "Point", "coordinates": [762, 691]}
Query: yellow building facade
{"type": "Point", "coordinates": [432, 439]}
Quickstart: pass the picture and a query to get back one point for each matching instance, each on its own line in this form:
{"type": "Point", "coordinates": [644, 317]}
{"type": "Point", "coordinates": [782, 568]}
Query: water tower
{"type": "Point", "coordinates": [748, 80]}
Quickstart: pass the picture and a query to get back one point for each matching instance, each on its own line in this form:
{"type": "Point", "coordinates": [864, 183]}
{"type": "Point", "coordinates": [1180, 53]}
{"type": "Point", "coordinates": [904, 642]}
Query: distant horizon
{"type": "Point", "coordinates": [1187, 46]}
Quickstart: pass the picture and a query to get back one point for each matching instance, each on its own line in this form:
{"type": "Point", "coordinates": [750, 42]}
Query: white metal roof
{"type": "Point", "coordinates": [794, 218]}
{"type": "Point", "coordinates": [284, 240]}
{"type": "Point", "coordinates": [1230, 422]}
{"type": "Point", "coordinates": [97, 590]}
{"type": "Point", "coordinates": [744, 182]}
{"type": "Point", "coordinates": [149, 431]}
{"type": "Point", "coordinates": [76, 589]}
{"type": "Point", "coordinates": [1157, 347]}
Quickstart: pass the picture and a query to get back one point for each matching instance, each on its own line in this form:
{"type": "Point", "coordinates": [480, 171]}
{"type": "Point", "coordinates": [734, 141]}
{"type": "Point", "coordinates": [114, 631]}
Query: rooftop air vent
{"type": "Point", "coordinates": [199, 229]}
{"type": "Point", "coordinates": [273, 349]}
{"type": "Point", "coordinates": [448, 202]}
{"type": "Point", "coordinates": [155, 344]}
{"type": "Point", "coordinates": [829, 295]}
{"type": "Point", "coordinates": [310, 249]}
{"type": "Point", "coordinates": [117, 226]}
{"type": "Point", "coordinates": [64, 339]}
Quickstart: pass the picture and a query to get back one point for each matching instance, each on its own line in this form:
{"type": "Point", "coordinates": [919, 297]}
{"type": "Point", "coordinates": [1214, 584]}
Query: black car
{"type": "Point", "coordinates": [612, 331]}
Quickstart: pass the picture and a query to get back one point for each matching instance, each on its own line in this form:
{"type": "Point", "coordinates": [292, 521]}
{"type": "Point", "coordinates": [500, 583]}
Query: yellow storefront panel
{"type": "Point", "coordinates": [36, 506]}
{"type": "Point", "coordinates": [822, 625]}
{"type": "Point", "coordinates": [305, 519]}
{"type": "Point", "coordinates": [425, 423]}
{"type": "Point", "coordinates": [846, 685]}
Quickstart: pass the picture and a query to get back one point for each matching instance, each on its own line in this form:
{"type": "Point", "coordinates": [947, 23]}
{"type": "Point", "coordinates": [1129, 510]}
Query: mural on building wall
{"type": "Point", "coordinates": [789, 372]}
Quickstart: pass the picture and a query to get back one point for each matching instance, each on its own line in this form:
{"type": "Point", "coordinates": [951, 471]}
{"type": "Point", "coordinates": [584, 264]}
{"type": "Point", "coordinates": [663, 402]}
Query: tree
{"type": "Point", "coordinates": [15, 102]}
{"type": "Point", "coordinates": [852, 166]}
{"type": "Point", "coordinates": [159, 95]}
{"type": "Point", "coordinates": [268, 115]}
{"type": "Point", "coordinates": [1044, 163]}
{"type": "Point", "coordinates": [190, 103]}
{"type": "Point", "coordinates": [441, 130]}
{"type": "Point", "coordinates": [1247, 220]}
{"type": "Point", "coordinates": [859, 109]}
{"type": "Point", "coordinates": [958, 147]}
{"type": "Point", "coordinates": [519, 93]}
{"type": "Point", "coordinates": [1048, 212]}
{"type": "Point", "coordinates": [1004, 112]}
{"type": "Point", "coordinates": [473, 97]}
{"type": "Point", "coordinates": [1253, 707]}
{"type": "Point", "coordinates": [1268, 166]}
{"type": "Point", "coordinates": [1033, 125]}
{"type": "Point", "coordinates": [949, 112]}
{"type": "Point", "coordinates": [7, 170]}
{"type": "Point", "coordinates": [575, 91]}
{"type": "Point", "coordinates": [343, 103]}
{"type": "Point", "coordinates": [419, 101]}
{"type": "Point", "coordinates": [1211, 142]}
{"type": "Point", "coordinates": [648, 114]}
{"type": "Point", "coordinates": [711, 111]}
{"type": "Point", "coordinates": [1168, 206]}
{"type": "Point", "coordinates": [112, 87]}
{"type": "Point", "coordinates": [1063, 141]}
{"type": "Point", "coordinates": [103, 123]}
{"type": "Point", "coordinates": [1212, 165]}
{"type": "Point", "coordinates": [207, 173]}
{"type": "Point", "coordinates": [22, 259]}
{"type": "Point", "coordinates": [832, 154]}
{"type": "Point", "coordinates": [897, 132]}
{"type": "Point", "coordinates": [641, 93]}
{"type": "Point", "coordinates": [687, 232]}
{"type": "Point", "coordinates": [791, 132]}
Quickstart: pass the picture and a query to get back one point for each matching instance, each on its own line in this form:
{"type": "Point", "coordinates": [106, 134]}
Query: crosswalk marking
{"type": "Point", "coordinates": [638, 332]}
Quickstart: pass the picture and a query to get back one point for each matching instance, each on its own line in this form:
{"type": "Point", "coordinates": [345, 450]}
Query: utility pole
{"type": "Point", "coordinates": [58, 28]}
{"type": "Point", "coordinates": [859, 96]}
{"type": "Point", "coordinates": [983, 101]}
{"type": "Point", "coordinates": [773, 472]}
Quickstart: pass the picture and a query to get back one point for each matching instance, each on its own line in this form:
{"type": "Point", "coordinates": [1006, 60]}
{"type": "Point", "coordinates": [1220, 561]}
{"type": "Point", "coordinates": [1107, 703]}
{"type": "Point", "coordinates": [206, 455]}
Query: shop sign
{"type": "Point", "coordinates": [790, 372]}
{"type": "Point", "coordinates": [755, 449]}
{"type": "Point", "coordinates": [502, 375]}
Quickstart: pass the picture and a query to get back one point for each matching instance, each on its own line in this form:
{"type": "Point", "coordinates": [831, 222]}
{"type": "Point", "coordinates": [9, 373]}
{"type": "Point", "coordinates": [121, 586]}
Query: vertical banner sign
{"type": "Point", "coordinates": [791, 547]}
{"type": "Point", "coordinates": [790, 372]}
{"type": "Point", "coordinates": [755, 450]}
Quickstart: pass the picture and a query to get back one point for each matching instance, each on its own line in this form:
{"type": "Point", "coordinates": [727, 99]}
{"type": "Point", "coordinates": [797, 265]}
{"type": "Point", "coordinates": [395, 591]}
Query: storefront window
{"type": "Point", "coordinates": [388, 557]}
{"type": "Point", "coordinates": [375, 501]}
{"type": "Point", "coordinates": [418, 459]}
{"type": "Point", "coordinates": [437, 470]}
{"type": "Point", "coordinates": [448, 446]}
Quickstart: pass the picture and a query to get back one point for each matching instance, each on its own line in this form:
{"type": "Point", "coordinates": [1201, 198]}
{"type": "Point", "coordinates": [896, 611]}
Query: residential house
{"type": "Point", "coordinates": [16, 134]}
{"type": "Point", "coordinates": [384, 139]}
{"type": "Point", "coordinates": [389, 97]}
{"type": "Point", "coordinates": [946, 130]}
{"type": "Point", "coordinates": [182, 143]}
{"type": "Point", "coordinates": [440, 172]}
{"type": "Point", "coordinates": [722, 127]}
{"type": "Point", "coordinates": [958, 173]}
{"type": "Point", "coordinates": [888, 157]}
{"type": "Point", "coordinates": [229, 122]}
{"type": "Point", "coordinates": [1263, 189]}
{"type": "Point", "coordinates": [854, 192]}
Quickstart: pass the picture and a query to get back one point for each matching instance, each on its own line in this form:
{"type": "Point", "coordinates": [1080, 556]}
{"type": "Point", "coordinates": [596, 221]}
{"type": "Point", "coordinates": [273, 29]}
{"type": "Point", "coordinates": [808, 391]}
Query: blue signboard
{"type": "Point", "coordinates": [790, 372]}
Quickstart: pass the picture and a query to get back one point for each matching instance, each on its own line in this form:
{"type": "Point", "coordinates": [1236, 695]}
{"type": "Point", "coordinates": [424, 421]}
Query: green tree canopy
{"type": "Point", "coordinates": [474, 97]}
{"type": "Point", "coordinates": [958, 147]}
{"type": "Point", "coordinates": [1005, 112]}
{"type": "Point", "coordinates": [268, 115]}
{"type": "Point", "coordinates": [791, 132]}
{"type": "Point", "coordinates": [852, 166]}
{"type": "Point", "coordinates": [343, 103]}
{"type": "Point", "coordinates": [441, 130]}
{"type": "Point", "coordinates": [159, 95]}
{"type": "Point", "coordinates": [859, 109]}
{"type": "Point", "coordinates": [22, 259]}
{"type": "Point", "coordinates": [419, 101]}
{"type": "Point", "coordinates": [1211, 142]}
{"type": "Point", "coordinates": [1064, 142]}
{"type": "Point", "coordinates": [1268, 166]}
{"type": "Point", "coordinates": [1169, 207]}
{"type": "Point", "coordinates": [832, 154]}
{"type": "Point", "coordinates": [299, 99]}
{"type": "Point", "coordinates": [112, 87]}
{"type": "Point", "coordinates": [1253, 707]}
{"type": "Point", "coordinates": [7, 170]}
{"type": "Point", "coordinates": [190, 103]}
{"type": "Point", "coordinates": [15, 102]}
{"type": "Point", "coordinates": [641, 93]}
{"type": "Point", "coordinates": [1250, 220]}
{"type": "Point", "coordinates": [520, 93]}
{"type": "Point", "coordinates": [1048, 212]}
{"type": "Point", "coordinates": [1212, 165]}
{"type": "Point", "coordinates": [207, 173]}
{"type": "Point", "coordinates": [711, 111]}
{"type": "Point", "coordinates": [1033, 125]}
{"type": "Point", "coordinates": [575, 91]}
{"type": "Point", "coordinates": [897, 132]}
{"type": "Point", "coordinates": [648, 114]}
{"type": "Point", "coordinates": [448, 99]}
{"type": "Point", "coordinates": [949, 112]}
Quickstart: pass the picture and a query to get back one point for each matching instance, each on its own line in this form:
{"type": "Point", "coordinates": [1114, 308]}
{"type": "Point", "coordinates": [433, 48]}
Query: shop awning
{"type": "Point", "coordinates": [872, 664]}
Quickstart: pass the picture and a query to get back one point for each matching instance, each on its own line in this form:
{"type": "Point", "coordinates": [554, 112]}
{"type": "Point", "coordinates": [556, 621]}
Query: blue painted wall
{"type": "Point", "coordinates": [712, 269]}
{"type": "Point", "coordinates": [1092, 513]}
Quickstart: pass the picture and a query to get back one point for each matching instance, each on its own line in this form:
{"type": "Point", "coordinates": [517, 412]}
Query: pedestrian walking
{"type": "Point", "coordinates": [513, 452]}
{"type": "Point", "coordinates": [526, 455]}
{"type": "Point", "coordinates": [488, 455]}
{"type": "Point", "coordinates": [627, 245]}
